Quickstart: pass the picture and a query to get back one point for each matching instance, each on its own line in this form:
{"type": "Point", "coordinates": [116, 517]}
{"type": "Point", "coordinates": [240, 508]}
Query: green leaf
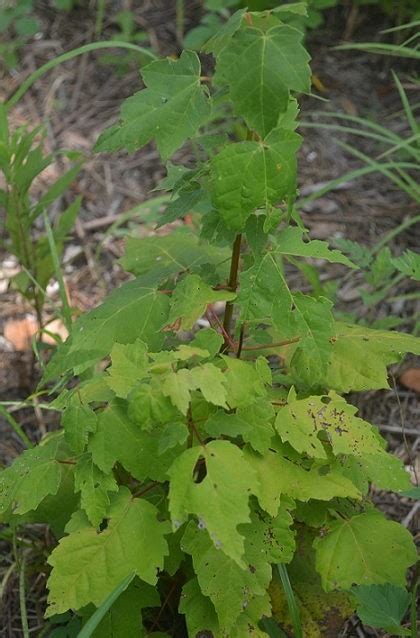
{"type": "Point", "coordinates": [123, 619]}
{"type": "Point", "coordinates": [359, 551]}
{"type": "Point", "coordinates": [220, 500]}
{"type": "Point", "coordinates": [118, 439]}
{"type": "Point", "coordinates": [208, 339]}
{"type": "Point", "coordinates": [223, 36]}
{"type": "Point", "coordinates": [93, 486]}
{"type": "Point", "coordinates": [213, 384]}
{"type": "Point", "coordinates": [312, 320]}
{"type": "Point", "coordinates": [302, 421]}
{"type": "Point", "coordinates": [266, 298]}
{"type": "Point", "coordinates": [200, 615]}
{"type": "Point", "coordinates": [290, 241]}
{"type": "Point", "coordinates": [279, 477]}
{"type": "Point", "coordinates": [78, 422]}
{"type": "Point", "coordinates": [360, 356]}
{"type": "Point", "coordinates": [170, 110]}
{"type": "Point", "coordinates": [191, 298]}
{"type": "Point", "coordinates": [34, 475]}
{"type": "Point", "coordinates": [245, 385]}
{"type": "Point", "coordinates": [298, 8]}
{"type": "Point", "coordinates": [177, 386]}
{"type": "Point", "coordinates": [229, 587]}
{"type": "Point", "coordinates": [383, 606]}
{"type": "Point", "coordinates": [88, 565]}
{"type": "Point", "coordinates": [260, 90]}
{"type": "Point", "coordinates": [408, 264]}
{"type": "Point", "coordinates": [386, 471]}
{"type": "Point", "coordinates": [173, 435]}
{"type": "Point", "coordinates": [129, 365]}
{"type": "Point", "coordinates": [131, 312]}
{"type": "Point", "coordinates": [162, 257]}
{"type": "Point", "coordinates": [254, 424]}
{"type": "Point", "coordinates": [149, 405]}
{"type": "Point", "coordinates": [250, 175]}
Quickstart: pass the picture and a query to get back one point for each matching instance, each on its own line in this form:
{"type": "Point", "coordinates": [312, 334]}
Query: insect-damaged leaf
{"type": "Point", "coordinates": [230, 587]}
{"type": "Point", "coordinates": [220, 499]}
{"type": "Point", "coordinates": [302, 421]}
{"type": "Point", "coordinates": [170, 110]}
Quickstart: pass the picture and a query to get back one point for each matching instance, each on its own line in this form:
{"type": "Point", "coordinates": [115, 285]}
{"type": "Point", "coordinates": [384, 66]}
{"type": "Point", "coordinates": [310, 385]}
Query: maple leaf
{"type": "Point", "coordinates": [34, 475]}
{"type": "Point", "coordinates": [253, 423]}
{"type": "Point", "coordinates": [229, 587]}
{"type": "Point", "coordinates": [290, 241]}
{"type": "Point", "coordinates": [170, 109]}
{"type": "Point", "coordinates": [301, 422]}
{"type": "Point", "coordinates": [159, 258]}
{"type": "Point", "coordinates": [131, 312]}
{"type": "Point", "coordinates": [358, 550]}
{"type": "Point", "coordinates": [78, 421]}
{"type": "Point", "coordinates": [87, 565]}
{"type": "Point", "coordinates": [250, 175]}
{"type": "Point", "coordinates": [190, 299]}
{"type": "Point", "coordinates": [220, 500]}
{"type": "Point", "coordinates": [360, 356]}
{"type": "Point", "coordinates": [94, 487]}
{"type": "Point", "coordinates": [265, 297]}
{"type": "Point", "coordinates": [129, 365]}
{"type": "Point", "coordinates": [118, 439]}
{"type": "Point", "coordinates": [244, 381]}
{"type": "Point", "coordinates": [277, 477]}
{"type": "Point", "coordinates": [260, 91]}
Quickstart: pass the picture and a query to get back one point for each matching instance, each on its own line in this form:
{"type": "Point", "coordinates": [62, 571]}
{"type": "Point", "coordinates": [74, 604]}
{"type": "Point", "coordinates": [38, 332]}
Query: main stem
{"type": "Point", "coordinates": [232, 285]}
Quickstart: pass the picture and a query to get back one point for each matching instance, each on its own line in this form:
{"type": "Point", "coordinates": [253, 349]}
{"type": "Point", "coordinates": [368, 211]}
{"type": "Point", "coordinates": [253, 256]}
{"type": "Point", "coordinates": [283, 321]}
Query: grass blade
{"type": "Point", "coordinates": [22, 599]}
{"type": "Point", "coordinates": [58, 273]}
{"type": "Point", "coordinates": [93, 46]}
{"type": "Point", "coordinates": [97, 616]}
{"type": "Point", "coordinates": [291, 600]}
{"type": "Point", "coordinates": [15, 426]}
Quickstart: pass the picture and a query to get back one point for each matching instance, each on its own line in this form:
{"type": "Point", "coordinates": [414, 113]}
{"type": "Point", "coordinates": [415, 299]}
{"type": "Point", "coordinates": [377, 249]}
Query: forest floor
{"type": "Point", "coordinates": [79, 99]}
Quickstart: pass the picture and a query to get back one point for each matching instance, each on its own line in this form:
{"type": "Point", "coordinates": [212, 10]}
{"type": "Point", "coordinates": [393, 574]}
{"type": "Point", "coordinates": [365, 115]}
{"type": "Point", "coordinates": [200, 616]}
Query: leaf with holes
{"type": "Point", "coordinates": [220, 499]}
{"type": "Point", "coordinates": [306, 423]}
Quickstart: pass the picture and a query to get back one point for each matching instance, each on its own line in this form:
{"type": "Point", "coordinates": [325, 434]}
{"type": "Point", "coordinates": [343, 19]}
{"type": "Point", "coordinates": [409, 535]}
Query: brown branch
{"type": "Point", "coordinates": [232, 286]}
{"type": "Point", "coordinates": [276, 344]}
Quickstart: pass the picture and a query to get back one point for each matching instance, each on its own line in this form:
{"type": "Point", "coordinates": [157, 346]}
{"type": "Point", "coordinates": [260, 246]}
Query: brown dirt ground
{"type": "Point", "coordinates": [79, 99]}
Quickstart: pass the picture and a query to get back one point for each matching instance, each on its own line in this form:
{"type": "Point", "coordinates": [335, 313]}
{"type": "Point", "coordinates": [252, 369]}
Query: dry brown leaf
{"type": "Point", "coordinates": [20, 332]}
{"type": "Point", "coordinates": [411, 379]}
